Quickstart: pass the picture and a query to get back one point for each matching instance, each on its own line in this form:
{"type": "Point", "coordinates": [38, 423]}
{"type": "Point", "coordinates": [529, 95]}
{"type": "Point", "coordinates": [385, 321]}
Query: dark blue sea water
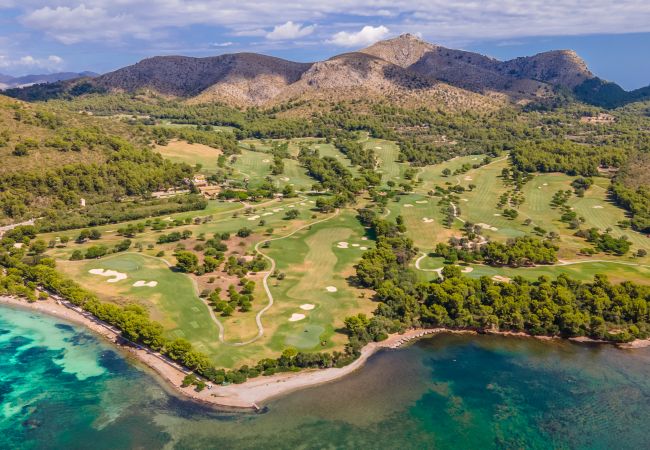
{"type": "Point", "coordinates": [62, 388]}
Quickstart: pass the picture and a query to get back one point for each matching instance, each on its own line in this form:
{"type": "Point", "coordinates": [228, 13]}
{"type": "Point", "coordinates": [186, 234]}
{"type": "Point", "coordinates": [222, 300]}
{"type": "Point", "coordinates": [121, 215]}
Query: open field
{"type": "Point", "coordinates": [173, 301]}
{"type": "Point", "coordinates": [256, 166]}
{"type": "Point", "coordinates": [387, 153]}
{"type": "Point", "coordinates": [583, 270]}
{"type": "Point", "coordinates": [192, 154]}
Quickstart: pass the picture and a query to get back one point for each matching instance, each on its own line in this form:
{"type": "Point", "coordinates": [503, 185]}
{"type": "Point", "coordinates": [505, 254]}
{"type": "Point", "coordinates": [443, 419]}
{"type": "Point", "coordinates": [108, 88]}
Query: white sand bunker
{"type": "Point", "coordinates": [421, 201]}
{"type": "Point", "coordinates": [467, 178]}
{"type": "Point", "coordinates": [427, 220]}
{"type": "Point", "coordinates": [497, 214]}
{"type": "Point", "coordinates": [377, 148]}
{"type": "Point", "coordinates": [545, 184]}
{"type": "Point", "coordinates": [266, 160]}
{"type": "Point", "coordinates": [268, 214]}
{"type": "Point", "coordinates": [597, 207]}
{"type": "Point", "coordinates": [363, 248]}
{"type": "Point", "coordinates": [295, 317]}
{"type": "Point", "coordinates": [311, 201]}
{"type": "Point", "coordinates": [116, 276]}
{"type": "Point", "coordinates": [255, 217]}
{"type": "Point", "coordinates": [539, 187]}
{"type": "Point", "coordinates": [467, 269]}
{"type": "Point", "coordinates": [501, 278]}
{"type": "Point", "coordinates": [331, 289]}
{"type": "Point", "coordinates": [291, 206]}
{"type": "Point", "coordinates": [464, 200]}
{"type": "Point", "coordinates": [142, 283]}
{"type": "Point", "coordinates": [302, 203]}
{"type": "Point", "coordinates": [307, 307]}
{"type": "Point", "coordinates": [343, 245]}
{"type": "Point", "coordinates": [487, 227]}
{"type": "Point", "coordinates": [364, 238]}
{"type": "Point", "coordinates": [408, 205]}
{"type": "Point", "coordinates": [278, 209]}
{"type": "Point", "coordinates": [355, 245]}
{"type": "Point", "coordinates": [284, 178]}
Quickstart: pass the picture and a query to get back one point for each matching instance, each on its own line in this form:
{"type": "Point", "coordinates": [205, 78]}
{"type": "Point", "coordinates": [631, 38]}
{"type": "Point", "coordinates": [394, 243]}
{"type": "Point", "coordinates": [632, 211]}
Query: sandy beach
{"type": "Point", "coordinates": [252, 394]}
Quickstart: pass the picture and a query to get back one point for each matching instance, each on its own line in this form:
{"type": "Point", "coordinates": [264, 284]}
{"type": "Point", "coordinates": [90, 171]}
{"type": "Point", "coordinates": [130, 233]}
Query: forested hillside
{"type": "Point", "coordinates": [52, 159]}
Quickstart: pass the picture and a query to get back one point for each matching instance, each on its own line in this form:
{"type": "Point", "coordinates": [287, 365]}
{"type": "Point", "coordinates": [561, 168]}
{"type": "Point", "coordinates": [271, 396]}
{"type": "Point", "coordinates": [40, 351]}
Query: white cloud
{"type": "Point", "coordinates": [108, 21]}
{"type": "Point", "coordinates": [366, 36]}
{"type": "Point", "coordinates": [50, 63]}
{"type": "Point", "coordinates": [222, 44]}
{"type": "Point", "coordinates": [289, 31]}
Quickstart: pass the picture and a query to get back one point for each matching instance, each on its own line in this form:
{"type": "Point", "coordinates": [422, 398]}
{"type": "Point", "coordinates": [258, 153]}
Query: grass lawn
{"type": "Point", "coordinates": [617, 272]}
{"type": "Point", "coordinates": [173, 302]}
{"type": "Point", "coordinates": [192, 154]}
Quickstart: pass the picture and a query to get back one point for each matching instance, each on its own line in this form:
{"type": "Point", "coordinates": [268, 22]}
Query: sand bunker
{"type": "Point", "coordinates": [268, 214]}
{"type": "Point", "coordinates": [296, 317]}
{"type": "Point", "coordinates": [545, 184]}
{"type": "Point", "coordinates": [307, 307]}
{"type": "Point", "coordinates": [497, 214]}
{"type": "Point", "coordinates": [266, 160]}
{"type": "Point", "coordinates": [355, 245]}
{"type": "Point", "coordinates": [408, 205]}
{"type": "Point", "coordinates": [364, 238]}
{"type": "Point", "coordinates": [464, 200]}
{"type": "Point", "coordinates": [467, 178]}
{"type": "Point", "coordinates": [501, 278]}
{"type": "Point", "coordinates": [377, 148]}
{"type": "Point", "coordinates": [116, 276]}
{"type": "Point", "coordinates": [311, 201]}
{"type": "Point", "coordinates": [291, 206]}
{"type": "Point", "coordinates": [331, 289]}
{"type": "Point", "coordinates": [255, 217]}
{"type": "Point", "coordinates": [343, 245]}
{"type": "Point", "coordinates": [421, 201]}
{"type": "Point", "coordinates": [427, 220]}
{"type": "Point", "coordinates": [278, 209]}
{"type": "Point", "coordinates": [487, 227]}
{"type": "Point", "coordinates": [284, 178]}
{"type": "Point", "coordinates": [142, 283]}
{"type": "Point", "coordinates": [363, 248]}
{"type": "Point", "coordinates": [302, 203]}
{"type": "Point", "coordinates": [467, 269]}
{"type": "Point", "coordinates": [597, 207]}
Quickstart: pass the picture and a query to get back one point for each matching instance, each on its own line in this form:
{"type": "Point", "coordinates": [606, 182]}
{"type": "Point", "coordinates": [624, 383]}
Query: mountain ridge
{"type": "Point", "coordinates": [402, 68]}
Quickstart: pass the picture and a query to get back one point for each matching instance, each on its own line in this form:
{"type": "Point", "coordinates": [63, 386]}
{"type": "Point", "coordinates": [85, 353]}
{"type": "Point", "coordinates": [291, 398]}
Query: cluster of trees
{"type": "Point", "coordinates": [115, 212]}
{"type": "Point", "coordinates": [605, 242]}
{"type": "Point", "coordinates": [565, 156]}
{"type": "Point", "coordinates": [517, 252]}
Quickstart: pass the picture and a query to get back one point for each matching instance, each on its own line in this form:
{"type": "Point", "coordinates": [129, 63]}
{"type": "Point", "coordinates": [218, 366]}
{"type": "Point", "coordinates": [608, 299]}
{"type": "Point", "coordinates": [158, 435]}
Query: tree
{"type": "Point", "coordinates": [244, 232]}
{"type": "Point", "coordinates": [186, 261]}
{"type": "Point", "coordinates": [292, 214]}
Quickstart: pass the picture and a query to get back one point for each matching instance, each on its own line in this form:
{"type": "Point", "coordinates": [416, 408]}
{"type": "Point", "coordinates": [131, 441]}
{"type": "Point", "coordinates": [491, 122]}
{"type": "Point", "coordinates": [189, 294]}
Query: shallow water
{"type": "Point", "coordinates": [60, 387]}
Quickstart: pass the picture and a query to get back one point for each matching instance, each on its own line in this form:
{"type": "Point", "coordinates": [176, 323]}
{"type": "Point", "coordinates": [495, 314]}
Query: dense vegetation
{"type": "Point", "coordinates": [549, 307]}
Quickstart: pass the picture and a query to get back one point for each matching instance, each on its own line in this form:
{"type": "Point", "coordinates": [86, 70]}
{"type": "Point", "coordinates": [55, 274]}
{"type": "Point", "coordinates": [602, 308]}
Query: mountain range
{"type": "Point", "coordinates": [9, 82]}
{"type": "Point", "coordinates": [404, 69]}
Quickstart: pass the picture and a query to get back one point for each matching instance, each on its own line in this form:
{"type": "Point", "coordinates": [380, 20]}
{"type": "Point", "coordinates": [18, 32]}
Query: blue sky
{"type": "Point", "coordinates": [102, 35]}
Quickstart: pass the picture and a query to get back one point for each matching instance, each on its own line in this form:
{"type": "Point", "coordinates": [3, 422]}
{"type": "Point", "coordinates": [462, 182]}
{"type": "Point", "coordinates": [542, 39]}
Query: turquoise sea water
{"type": "Point", "coordinates": [62, 388]}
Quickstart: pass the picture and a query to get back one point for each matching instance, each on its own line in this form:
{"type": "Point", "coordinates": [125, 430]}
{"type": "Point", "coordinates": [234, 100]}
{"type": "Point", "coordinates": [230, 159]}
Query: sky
{"type": "Point", "coordinates": [102, 35]}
